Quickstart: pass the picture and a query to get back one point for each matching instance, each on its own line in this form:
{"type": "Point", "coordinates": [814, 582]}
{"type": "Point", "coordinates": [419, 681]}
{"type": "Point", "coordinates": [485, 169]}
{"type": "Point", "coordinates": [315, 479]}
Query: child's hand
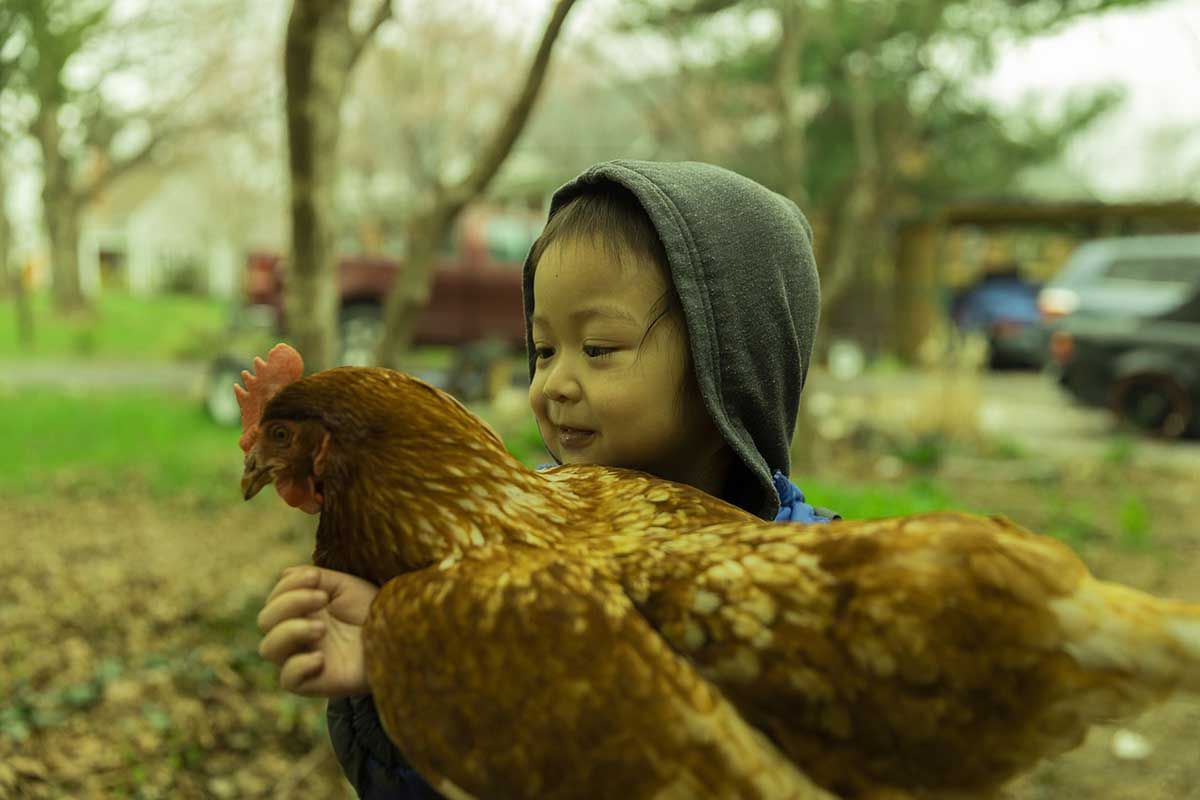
{"type": "Point", "coordinates": [312, 625]}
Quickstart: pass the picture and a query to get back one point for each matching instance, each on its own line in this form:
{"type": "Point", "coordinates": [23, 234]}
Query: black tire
{"type": "Point", "coordinates": [471, 373]}
{"type": "Point", "coordinates": [1154, 403]}
{"type": "Point", "coordinates": [360, 328]}
{"type": "Point", "coordinates": [219, 402]}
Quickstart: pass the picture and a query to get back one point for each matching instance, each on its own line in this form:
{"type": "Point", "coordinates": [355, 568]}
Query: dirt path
{"type": "Point", "coordinates": [1026, 408]}
{"type": "Point", "coordinates": [128, 663]}
{"type": "Point", "coordinates": [177, 378]}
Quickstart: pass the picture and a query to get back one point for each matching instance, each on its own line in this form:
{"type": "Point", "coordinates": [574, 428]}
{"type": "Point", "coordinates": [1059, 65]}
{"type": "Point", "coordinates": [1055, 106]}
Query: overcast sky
{"type": "Point", "coordinates": [1155, 53]}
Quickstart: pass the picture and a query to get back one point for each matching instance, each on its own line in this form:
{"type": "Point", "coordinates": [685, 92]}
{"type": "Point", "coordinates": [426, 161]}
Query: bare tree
{"type": "Point", "coordinates": [319, 55]}
{"type": "Point", "coordinates": [430, 225]}
{"type": "Point", "coordinates": [10, 275]}
{"type": "Point", "coordinates": [55, 40]}
{"type": "Point", "coordinates": [87, 141]}
{"type": "Point", "coordinates": [418, 111]}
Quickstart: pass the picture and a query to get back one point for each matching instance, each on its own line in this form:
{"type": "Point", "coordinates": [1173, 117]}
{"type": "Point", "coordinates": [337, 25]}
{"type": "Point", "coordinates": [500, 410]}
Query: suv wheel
{"type": "Point", "coordinates": [1154, 403]}
{"type": "Point", "coordinates": [361, 329]}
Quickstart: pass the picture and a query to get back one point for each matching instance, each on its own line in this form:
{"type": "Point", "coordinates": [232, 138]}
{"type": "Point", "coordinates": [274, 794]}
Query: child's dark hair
{"type": "Point", "coordinates": [610, 216]}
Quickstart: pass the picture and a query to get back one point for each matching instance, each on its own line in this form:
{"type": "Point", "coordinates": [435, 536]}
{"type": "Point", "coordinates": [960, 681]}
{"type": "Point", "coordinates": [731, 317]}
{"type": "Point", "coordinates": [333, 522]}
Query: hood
{"type": "Point", "coordinates": [741, 260]}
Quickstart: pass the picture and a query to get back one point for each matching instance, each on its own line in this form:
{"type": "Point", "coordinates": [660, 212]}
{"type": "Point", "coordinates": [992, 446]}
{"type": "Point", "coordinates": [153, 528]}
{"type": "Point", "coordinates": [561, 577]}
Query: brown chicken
{"type": "Point", "coordinates": [590, 631]}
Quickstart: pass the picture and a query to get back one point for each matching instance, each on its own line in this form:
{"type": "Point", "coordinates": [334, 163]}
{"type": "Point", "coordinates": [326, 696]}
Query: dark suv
{"type": "Point", "coordinates": [1124, 321]}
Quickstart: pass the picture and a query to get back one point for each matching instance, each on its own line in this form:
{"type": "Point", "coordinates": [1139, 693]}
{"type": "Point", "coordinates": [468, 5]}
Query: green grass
{"type": "Point", "coordinates": [872, 500]}
{"type": "Point", "coordinates": [119, 442]}
{"type": "Point", "coordinates": [166, 447]}
{"type": "Point", "coordinates": [120, 327]}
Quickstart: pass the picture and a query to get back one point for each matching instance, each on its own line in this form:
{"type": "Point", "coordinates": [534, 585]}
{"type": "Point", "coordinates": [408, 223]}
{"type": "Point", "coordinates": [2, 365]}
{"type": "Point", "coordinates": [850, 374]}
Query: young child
{"type": "Point", "coordinates": [670, 310]}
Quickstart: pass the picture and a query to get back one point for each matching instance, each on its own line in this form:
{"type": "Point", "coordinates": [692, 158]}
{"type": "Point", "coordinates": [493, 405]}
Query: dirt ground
{"type": "Point", "coordinates": [1166, 768]}
{"type": "Point", "coordinates": [128, 664]}
{"type": "Point", "coordinates": [1075, 474]}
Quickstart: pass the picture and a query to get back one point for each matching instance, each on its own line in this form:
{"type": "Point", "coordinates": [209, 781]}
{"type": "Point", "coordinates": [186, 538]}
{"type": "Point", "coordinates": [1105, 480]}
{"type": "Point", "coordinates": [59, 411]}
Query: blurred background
{"type": "Point", "coordinates": [1004, 196]}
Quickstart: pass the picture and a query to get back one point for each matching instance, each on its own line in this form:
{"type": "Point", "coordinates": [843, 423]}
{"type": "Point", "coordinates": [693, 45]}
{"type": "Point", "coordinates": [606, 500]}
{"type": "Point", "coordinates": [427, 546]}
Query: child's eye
{"type": "Point", "coordinates": [594, 351]}
{"type": "Point", "coordinates": [543, 352]}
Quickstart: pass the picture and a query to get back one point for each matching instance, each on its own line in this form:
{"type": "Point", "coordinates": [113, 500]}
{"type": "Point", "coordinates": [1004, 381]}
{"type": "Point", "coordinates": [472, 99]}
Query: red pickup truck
{"type": "Point", "coordinates": [476, 292]}
{"type": "Point", "coordinates": [474, 304]}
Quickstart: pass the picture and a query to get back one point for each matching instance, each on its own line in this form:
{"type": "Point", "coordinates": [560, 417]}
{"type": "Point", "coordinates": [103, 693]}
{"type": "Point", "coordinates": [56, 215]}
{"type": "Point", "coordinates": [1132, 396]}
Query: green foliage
{"type": "Point", "coordinates": [28, 710]}
{"type": "Point", "coordinates": [1005, 448]}
{"type": "Point", "coordinates": [118, 443]}
{"type": "Point", "coordinates": [51, 32]}
{"type": "Point", "coordinates": [1119, 451]}
{"type": "Point", "coordinates": [121, 327]}
{"type": "Point", "coordinates": [1134, 519]}
{"type": "Point", "coordinates": [1071, 521]}
{"type": "Point", "coordinates": [873, 500]}
{"type": "Point", "coordinates": [525, 444]}
{"type": "Point", "coordinates": [919, 57]}
{"type": "Point", "coordinates": [925, 452]}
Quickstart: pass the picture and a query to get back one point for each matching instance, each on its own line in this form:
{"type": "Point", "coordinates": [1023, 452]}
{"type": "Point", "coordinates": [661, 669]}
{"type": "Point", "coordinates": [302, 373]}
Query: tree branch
{"type": "Point", "coordinates": [496, 150]}
{"type": "Point", "coordinates": [163, 134]}
{"type": "Point", "coordinates": [382, 14]}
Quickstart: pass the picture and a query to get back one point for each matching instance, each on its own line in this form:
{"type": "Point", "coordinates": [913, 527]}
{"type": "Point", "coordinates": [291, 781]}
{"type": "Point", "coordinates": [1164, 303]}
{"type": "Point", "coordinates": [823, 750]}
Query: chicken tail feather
{"type": "Point", "coordinates": [1153, 642]}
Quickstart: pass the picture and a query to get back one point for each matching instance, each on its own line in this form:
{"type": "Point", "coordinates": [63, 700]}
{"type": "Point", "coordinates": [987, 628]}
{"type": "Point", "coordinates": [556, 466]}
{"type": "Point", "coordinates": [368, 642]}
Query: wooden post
{"type": "Point", "coordinates": [917, 294]}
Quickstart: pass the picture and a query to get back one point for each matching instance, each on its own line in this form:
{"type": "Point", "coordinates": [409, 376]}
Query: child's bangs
{"type": "Point", "coordinates": [612, 219]}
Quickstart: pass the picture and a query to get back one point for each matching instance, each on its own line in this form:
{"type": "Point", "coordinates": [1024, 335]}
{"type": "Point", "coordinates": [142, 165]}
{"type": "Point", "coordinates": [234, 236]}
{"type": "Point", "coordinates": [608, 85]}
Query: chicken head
{"type": "Point", "coordinates": [289, 453]}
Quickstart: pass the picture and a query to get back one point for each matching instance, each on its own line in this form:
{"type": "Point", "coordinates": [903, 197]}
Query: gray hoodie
{"type": "Point", "coordinates": [742, 263]}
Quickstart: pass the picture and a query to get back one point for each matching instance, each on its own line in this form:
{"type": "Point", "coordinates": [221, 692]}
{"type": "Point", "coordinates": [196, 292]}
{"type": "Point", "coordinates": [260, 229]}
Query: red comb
{"type": "Point", "coordinates": [283, 366]}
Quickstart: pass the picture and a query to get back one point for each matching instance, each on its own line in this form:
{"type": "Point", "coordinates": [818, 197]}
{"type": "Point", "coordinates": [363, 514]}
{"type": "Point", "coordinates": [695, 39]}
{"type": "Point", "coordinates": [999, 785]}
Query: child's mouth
{"type": "Point", "coordinates": [574, 438]}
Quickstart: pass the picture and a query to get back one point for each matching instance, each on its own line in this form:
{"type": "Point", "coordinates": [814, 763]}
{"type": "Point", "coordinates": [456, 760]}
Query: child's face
{"type": "Point", "coordinates": [590, 377]}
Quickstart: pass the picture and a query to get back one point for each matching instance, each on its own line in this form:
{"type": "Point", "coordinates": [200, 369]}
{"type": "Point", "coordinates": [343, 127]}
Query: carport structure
{"type": "Point", "coordinates": [918, 305]}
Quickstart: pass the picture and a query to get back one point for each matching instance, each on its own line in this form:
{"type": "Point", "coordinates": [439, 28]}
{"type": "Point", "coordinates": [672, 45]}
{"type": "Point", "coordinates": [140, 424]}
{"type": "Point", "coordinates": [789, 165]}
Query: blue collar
{"type": "Point", "coordinates": [792, 507]}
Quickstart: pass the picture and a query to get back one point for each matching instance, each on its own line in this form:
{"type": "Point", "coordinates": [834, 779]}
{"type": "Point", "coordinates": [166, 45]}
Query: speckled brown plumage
{"type": "Point", "coordinates": [589, 631]}
{"type": "Point", "coordinates": [539, 679]}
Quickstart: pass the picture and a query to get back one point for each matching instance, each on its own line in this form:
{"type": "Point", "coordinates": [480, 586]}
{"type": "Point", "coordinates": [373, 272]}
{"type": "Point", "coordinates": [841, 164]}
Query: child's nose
{"type": "Point", "coordinates": [561, 383]}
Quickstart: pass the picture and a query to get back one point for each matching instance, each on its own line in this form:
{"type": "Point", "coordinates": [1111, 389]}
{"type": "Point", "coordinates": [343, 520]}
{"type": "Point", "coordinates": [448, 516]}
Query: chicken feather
{"type": "Point", "coordinates": [625, 717]}
{"type": "Point", "coordinates": [930, 656]}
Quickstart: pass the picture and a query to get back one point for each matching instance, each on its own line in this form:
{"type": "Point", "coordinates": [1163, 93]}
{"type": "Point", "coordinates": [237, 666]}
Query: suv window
{"type": "Point", "coordinates": [1155, 270]}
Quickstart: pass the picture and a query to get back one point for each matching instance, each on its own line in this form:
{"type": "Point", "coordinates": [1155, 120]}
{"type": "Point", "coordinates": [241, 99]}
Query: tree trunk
{"type": "Point", "coordinates": [857, 227]}
{"type": "Point", "coordinates": [61, 214]}
{"type": "Point", "coordinates": [6, 285]}
{"type": "Point", "coordinates": [790, 138]}
{"type": "Point", "coordinates": [859, 210]}
{"type": "Point", "coordinates": [410, 294]}
{"type": "Point", "coordinates": [917, 305]}
{"type": "Point", "coordinates": [10, 274]}
{"type": "Point", "coordinates": [319, 54]}
{"type": "Point", "coordinates": [316, 63]}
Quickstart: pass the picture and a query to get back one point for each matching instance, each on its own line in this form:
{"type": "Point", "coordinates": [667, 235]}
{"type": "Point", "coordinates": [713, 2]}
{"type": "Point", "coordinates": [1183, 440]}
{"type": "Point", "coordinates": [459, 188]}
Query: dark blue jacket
{"type": "Point", "coordinates": [373, 764]}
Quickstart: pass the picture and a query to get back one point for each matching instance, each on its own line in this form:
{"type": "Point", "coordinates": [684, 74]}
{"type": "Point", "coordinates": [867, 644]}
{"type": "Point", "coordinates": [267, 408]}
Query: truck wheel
{"type": "Point", "coordinates": [361, 327]}
{"type": "Point", "coordinates": [219, 401]}
{"type": "Point", "coordinates": [1153, 402]}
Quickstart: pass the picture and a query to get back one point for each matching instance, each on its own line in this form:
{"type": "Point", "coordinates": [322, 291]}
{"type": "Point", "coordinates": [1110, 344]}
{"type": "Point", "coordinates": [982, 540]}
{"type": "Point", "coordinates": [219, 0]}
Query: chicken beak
{"type": "Point", "coordinates": [255, 476]}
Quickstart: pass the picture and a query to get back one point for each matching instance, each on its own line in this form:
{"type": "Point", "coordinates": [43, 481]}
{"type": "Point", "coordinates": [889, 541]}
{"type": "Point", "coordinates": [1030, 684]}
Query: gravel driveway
{"type": "Point", "coordinates": [1023, 407]}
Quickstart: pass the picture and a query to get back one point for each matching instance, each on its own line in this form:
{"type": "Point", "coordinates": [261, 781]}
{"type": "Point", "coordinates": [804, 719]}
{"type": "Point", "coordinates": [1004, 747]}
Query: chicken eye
{"type": "Point", "coordinates": [280, 434]}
